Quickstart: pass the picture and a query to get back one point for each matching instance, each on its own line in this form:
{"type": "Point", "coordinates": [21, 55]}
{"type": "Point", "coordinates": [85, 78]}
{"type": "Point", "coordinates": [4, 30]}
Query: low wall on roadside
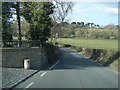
{"type": "Point", "coordinates": [14, 57]}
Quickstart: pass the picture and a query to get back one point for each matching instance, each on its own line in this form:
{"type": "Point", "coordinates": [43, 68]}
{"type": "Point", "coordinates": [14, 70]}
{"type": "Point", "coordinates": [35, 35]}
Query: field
{"type": "Point", "coordinates": [88, 43]}
{"type": "Point", "coordinates": [16, 38]}
{"type": "Point", "coordinates": [91, 43]}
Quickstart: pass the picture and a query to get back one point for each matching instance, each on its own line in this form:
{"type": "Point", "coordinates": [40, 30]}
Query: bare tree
{"type": "Point", "coordinates": [61, 11]}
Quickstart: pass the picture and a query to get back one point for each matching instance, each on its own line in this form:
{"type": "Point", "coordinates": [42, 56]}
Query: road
{"type": "Point", "coordinates": [73, 70]}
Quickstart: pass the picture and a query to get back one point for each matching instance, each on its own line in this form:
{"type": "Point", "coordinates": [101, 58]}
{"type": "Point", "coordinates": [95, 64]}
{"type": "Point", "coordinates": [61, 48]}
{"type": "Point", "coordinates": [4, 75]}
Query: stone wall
{"type": "Point", "coordinates": [14, 57]}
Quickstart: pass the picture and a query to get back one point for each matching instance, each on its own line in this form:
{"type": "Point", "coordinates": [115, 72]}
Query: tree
{"type": "Point", "coordinates": [60, 13]}
{"type": "Point", "coordinates": [82, 24]}
{"type": "Point", "coordinates": [88, 24]}
{"type": "Point", "coordinates": [73, 23]}
{"type": "Point", "coordinates": [38, 15]}
{"type": "Point", "coordinates": [66, 32]}
{"type": "Point", "coordinates": [111, 27]}
{"type": "Point", "coordinates": [18, 24]}
{"type": "Point", "coordinates": [98, 26]}
{"type": "Point", "coordinates": [78, 23]}
{"type": "Point", "coordinates": [6, 23]}
{"type": "Point", "coordinates": [24, 28]}
{"type": "Point", "coordinates": [92, 24]}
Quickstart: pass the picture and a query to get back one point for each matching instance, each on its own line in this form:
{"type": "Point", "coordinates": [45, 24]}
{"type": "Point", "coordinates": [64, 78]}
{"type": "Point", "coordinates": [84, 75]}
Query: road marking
{"type": "Point", "coordinates": [54, 65]}
{"type": "Point", "coordinates": [112, 70]}
{"type": "Point", "coordinates": [106, 67]}
{"type": "Point", "coordinates": [29, 85]}
{"type": "Point", "coordinates": [99, 63]}
{"type": "Point", "coordinates": [43, 74]}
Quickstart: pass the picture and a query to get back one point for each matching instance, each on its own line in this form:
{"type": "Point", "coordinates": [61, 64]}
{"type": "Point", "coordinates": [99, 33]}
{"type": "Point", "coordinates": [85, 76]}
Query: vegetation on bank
{"type": "Point", "coordinates": [91, 43]}
{"type": "Point", "coordinates": [106, 57]}
{"type": "Point", "coordinates": [51, 52]}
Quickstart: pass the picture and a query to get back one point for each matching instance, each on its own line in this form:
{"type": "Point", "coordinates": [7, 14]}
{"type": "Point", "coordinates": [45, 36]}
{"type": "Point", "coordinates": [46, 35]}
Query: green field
{"type": "Point", "coordinates": [16, 38]}
{"type": "Point", "coordinates": [91, 43]}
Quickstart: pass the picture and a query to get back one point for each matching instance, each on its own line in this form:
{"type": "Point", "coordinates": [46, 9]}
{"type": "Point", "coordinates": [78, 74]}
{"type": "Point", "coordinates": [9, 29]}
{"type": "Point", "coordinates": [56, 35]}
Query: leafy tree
{"type": "Point", "coordinates": [92, 24]}
{"type": "Point", "coordinates": [98, 26]}
{"type": "Point", "coordinates": [6, 23]}
{"type": "Point", "coordinates": [73, 23]}
{"type": "Point", "coordinates": [79, 32]}
{"type": "Point", "coordinates": [88, 24]}
{"type": "Point", "coordinates": [24, 28]}
{"type": "Point", "coordinates": [38, 15]}
{"type": "Point", "coordinates": [66, 32]}
{"type": "Point", "coordinates": [82, 24]}
{"type": "Point", "coordinates": [111, 27]}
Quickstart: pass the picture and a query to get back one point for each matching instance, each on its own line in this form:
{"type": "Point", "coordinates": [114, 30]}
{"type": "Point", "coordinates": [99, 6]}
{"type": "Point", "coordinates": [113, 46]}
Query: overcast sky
{"type": "Point", "coordinates": [101, 13]}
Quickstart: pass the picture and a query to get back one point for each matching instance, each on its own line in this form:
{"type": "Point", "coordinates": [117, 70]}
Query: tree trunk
{"type": "Point", "coordinates": [18, 24]}
{"type": "Point", "coordinates": [57, 34]}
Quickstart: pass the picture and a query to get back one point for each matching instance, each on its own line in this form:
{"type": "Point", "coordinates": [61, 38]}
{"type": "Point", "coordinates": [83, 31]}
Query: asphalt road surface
{"type": "Point", "coordinates": [73, 70]}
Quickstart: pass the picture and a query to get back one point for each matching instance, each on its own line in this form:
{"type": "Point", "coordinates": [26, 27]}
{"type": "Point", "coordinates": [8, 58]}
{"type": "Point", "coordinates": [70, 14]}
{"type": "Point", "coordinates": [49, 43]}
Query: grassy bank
{"type": "Point", "coordinates": [104, 51]}
{"type": "Point", "coordinates": [91, 43]}
{"type": "Point", "coordinates": [109, 58]}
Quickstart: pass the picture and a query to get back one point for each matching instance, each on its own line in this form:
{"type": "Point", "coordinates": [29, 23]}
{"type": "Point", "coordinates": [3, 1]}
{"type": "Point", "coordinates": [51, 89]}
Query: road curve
{"type": "Point", "coordinates": [73, 71]}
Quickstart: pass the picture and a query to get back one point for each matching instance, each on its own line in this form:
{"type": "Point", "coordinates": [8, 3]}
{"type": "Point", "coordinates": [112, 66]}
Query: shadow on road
{"type": "Point", "coordinates": [73, 60]}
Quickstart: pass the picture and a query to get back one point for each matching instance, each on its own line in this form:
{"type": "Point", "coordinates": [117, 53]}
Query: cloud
{"type": "Point", "coordinates": [86, 10]}
{"type": "Point", "coordinates": [107, 9]}
{"type": "Point", "coordinates": [79, 8]}
{"type": "Point", "coordinates": [113, 11]}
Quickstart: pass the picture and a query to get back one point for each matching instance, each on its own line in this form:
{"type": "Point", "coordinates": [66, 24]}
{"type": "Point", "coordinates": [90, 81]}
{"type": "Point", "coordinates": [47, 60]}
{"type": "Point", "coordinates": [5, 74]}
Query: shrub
{"type": "Point", "coordinates": [78, 49]}
{"type": "Point", "coordinates": [50, 51]}
{"type": "Point", "coordinates": [6, 36]}
{"type": "Point", "coordinates": [96, 33]}
{"type": "Point", "coordinates": [66, 45]}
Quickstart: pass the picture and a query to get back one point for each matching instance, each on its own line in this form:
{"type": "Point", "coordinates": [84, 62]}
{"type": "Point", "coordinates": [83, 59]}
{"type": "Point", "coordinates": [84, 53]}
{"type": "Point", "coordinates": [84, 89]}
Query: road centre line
{"type": "Point", "coordinates": [29, 85]}
{"type": "Point", "coordinates": [43, 74]}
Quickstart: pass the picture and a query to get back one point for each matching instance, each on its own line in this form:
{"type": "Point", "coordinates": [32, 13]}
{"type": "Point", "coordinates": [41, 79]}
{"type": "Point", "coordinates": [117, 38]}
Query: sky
{"type": "Point", "coordinates": [102, 13]}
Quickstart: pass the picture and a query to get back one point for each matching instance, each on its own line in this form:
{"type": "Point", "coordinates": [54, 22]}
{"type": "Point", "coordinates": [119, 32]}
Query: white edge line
{"type": "Point", "coordinates": [29, 85]}
{"type": "Point", "coordinates": [55, 63]}
{"type": "Point", "coordinates": [112, 70]}
{"type": "Point", "coordinates": [99, 64]}
{"type": "Point", "coordinates": [43, 74]}
{"type": "Point", "coordinates": [103, 65]}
